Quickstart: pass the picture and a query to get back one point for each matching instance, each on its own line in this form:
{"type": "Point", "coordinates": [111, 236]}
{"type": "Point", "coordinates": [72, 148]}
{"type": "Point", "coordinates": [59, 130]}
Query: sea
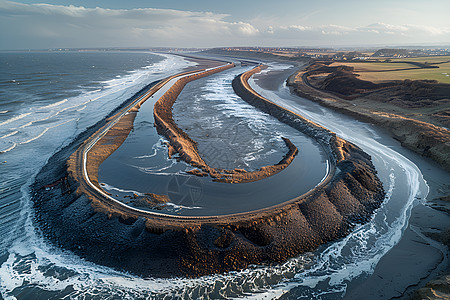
{"type": "Point", "coordinates": [48, 98]}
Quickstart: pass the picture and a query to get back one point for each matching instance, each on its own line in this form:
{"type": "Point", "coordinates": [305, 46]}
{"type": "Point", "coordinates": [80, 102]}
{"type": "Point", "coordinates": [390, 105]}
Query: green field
{"type": "Point", "coordinates": [374, 66]}
{"type": "Point", "coordinates": [378, 72]}
{"type": "Point", "coordinates": [428, 59]}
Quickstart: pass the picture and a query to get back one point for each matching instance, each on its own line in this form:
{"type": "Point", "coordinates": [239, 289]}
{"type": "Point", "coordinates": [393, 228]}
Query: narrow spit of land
{"type": "Point", "coordinates": [182, 144]}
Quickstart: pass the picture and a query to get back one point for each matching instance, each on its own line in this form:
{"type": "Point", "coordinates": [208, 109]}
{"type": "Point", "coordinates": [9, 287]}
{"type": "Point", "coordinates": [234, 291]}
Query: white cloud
{"type": "Point", "coordinates": [335, 29]}
{"type": "Point", "coordinates": [430, 29]}
{"type": "Point", "coordinates": [297, 27]}
{"type": "Point", "coordinates": [377, 33]}
{"type": "Point", "coordinates": [47, 26]}
{"type": "Point", "coordinates": [383, 26]}
{"type": "Point", "coordinates": [246, 29]}
{"type": "Point", "coordinates": [71, 26]}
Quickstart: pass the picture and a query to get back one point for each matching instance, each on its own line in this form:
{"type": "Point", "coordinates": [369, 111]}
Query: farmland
{"type": "Point", "coordinates": [401, 69]}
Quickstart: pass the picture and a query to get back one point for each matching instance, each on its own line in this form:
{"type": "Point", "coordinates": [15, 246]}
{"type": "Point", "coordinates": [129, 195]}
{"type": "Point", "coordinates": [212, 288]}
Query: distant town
{"type": "Point", "coordinates": [344, 54]}
{"type": "Point", "coordinates": [335, 54]}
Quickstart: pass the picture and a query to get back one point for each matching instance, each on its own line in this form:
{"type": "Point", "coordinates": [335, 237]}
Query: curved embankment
{"type": "Point", "coordinates": [110, 137]}
{"type": "Point", "coordinates": [120, 125]}
{"type": "Point", "coordinates": [80, 219]}
{"type": "Point", "coordinates": [181, 143]}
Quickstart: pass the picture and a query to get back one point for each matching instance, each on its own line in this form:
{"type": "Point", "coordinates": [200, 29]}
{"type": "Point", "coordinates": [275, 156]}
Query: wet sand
{"type": "Point", "coordinates": [202, 63]}
{"type": "Point", "coordinates": [410, 264]}
{"type": "Point", "coordinates": [272, 80]}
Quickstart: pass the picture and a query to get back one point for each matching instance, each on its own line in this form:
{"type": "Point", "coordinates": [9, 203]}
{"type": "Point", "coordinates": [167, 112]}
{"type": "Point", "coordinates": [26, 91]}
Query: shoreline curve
{"type": "Point", "coordinates": [150, 244]}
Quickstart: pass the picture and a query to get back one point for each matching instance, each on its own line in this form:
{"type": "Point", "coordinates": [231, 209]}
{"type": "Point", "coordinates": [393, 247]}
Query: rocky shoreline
{"type": "Point", "coordinates": [165, 246]}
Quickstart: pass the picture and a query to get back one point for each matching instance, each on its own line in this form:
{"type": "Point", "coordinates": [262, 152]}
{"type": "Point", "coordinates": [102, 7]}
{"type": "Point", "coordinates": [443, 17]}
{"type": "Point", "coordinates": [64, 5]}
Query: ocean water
{"type": "Point", "coordinates": [48, 98]}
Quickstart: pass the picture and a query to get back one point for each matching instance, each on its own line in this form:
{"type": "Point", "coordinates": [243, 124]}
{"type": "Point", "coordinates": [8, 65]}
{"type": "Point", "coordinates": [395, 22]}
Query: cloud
{"type": "Point", "coordinates": [378, 28]}
{"type": "Point", "coordinates": [377, 33]}
{"type": "Point", "coordinates": [48, 26]}
{"type": "Point", "coordinates": [296, 27]}
{"type": "Point", "coordinates": [77, 26]}
{"type": "Point", "coordinates": [246, 29]}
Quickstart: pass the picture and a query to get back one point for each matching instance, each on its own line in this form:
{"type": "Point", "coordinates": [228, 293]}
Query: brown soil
{"type": "Point", "coordinates": [434, 290]}
{"type": "Point", "coordinates": [150, 200]}
{"type": "Point", "coordinates": [415, 112]}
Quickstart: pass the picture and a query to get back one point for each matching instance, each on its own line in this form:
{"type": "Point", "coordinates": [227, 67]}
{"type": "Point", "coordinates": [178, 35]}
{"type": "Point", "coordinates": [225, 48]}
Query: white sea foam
{"type": "Point", "coordinates": [36, 137]}
{"type": "Point", "coordinates": [276, 67]}
{"type": "Point", "coordinates": [13, 145]}
{"type": "Point", "coordinates": [26, 124]}
{"type": "Point", "coordinates": [180, 207]}
{"type": "Point", "coordinates": [37, 254]}
{"type": "Point", "coordinates": [113, 188]}
{"type": "Point", "coordinates": [32, 251]}
{"type": "Point", "coordinates": [44, 131]}
{"type": "Point", "coordinates": [147, 156]}
{"type": "Point", "coordinates": [156, 169]}
{"type": "Point", "coordinates": [53, 104]}
{"type": "Point", "coordinates": [116, 87]}
{"type": "Point", "coordinates": [231, 117]}
{"type": "Point", "coordinates": [18, 117]}
{"type": "Point", "coordinates": [9, 134]}
{"type": "Point", "coordinates": [157, 146]}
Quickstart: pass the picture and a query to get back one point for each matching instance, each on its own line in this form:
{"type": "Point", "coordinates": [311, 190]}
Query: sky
{"type": "Point", "coordinates": [45, 24]}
